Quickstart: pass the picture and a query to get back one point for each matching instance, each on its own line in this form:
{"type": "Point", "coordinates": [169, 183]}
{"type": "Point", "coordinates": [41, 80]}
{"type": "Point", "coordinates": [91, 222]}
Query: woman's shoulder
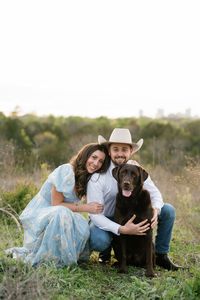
{"type": "Point", "coordinates": [99, 177]}
{"type": "Point", "coordinates": [62, 172]}
{"type": "Point", "coordinates": [62, 177]}
{"type": "Point", "coordinates": [64, 167]}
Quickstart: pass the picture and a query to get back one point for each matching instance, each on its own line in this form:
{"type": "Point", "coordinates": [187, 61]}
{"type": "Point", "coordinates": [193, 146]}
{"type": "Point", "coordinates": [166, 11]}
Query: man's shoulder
{"type": "Point", "coordinates": [101, 177]}
{"type": "Point", "coordinates": [97, 176]}
{"type": "Point", "coordinates": [133, 162]}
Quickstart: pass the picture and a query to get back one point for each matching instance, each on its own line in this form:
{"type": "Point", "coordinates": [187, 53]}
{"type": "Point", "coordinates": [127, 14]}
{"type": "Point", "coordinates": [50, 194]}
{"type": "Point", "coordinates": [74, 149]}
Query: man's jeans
{"type": "Point", "coordinates": [100, 240]}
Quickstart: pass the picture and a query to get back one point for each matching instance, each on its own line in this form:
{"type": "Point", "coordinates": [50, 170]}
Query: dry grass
{"type": "Point", "coordinates": [183, 192]}
{"type": "Point", "coordinates": [11, 177]}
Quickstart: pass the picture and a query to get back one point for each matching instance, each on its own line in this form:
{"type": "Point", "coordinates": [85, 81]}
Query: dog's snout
{"type": "Point", "coordinates": [126, 183]}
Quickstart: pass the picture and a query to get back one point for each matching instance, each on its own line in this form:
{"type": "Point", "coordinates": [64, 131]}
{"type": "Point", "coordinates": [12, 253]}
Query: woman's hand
{"type": "Point", "coordinates": [94, 208]}
{"type": "Point", "coordinates": [57, 198]}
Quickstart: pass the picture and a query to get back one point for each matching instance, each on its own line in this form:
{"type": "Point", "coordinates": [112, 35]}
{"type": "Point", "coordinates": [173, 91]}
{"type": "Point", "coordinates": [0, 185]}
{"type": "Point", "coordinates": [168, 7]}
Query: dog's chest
{"type": "Point", "coordinates": [127, 207]}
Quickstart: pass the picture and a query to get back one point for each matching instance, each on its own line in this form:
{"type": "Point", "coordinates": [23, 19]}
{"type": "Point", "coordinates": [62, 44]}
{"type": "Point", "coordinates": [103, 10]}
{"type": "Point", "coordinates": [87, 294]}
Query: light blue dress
{"type": "Point", "coordinates": [54, 233]}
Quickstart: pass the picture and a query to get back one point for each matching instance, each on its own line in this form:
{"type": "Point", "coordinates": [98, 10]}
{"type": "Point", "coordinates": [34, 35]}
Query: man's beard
{"type": "Point", "coordinates": [119, 160]}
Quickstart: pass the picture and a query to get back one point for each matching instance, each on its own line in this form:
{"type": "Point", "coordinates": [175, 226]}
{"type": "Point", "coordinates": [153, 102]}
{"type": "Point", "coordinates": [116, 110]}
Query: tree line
{"type": "Point", "coordinates": [29, 140]}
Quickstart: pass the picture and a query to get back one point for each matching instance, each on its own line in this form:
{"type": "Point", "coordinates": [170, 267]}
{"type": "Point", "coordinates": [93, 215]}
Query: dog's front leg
{"type": "Point", "coordinates": [149, 256]}
{"type": "Point", "coordinates": [123, 264]}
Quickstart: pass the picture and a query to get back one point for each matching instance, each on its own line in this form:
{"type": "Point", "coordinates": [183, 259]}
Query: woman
{"type": "Point", "coordinates": [54, 229]}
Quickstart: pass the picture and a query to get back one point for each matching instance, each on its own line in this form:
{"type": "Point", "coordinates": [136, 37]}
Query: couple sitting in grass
{"type": "Point", "coordinates": [54, 228]}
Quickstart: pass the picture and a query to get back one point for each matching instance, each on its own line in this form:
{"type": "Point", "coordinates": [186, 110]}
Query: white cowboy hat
{"type": "Point", "coordinates": [121, 136]}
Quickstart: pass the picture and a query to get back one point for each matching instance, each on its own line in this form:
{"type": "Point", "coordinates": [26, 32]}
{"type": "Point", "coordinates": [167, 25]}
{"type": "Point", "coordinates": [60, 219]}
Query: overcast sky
{"type": "Point", "coordinates": [93, 58]}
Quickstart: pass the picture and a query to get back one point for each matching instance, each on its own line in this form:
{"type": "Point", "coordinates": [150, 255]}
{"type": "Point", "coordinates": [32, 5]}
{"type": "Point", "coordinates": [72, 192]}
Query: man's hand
{"type": "Point", "coordinates": [154, 220]}
{"type": "Point", "coordinates": [131, 228]}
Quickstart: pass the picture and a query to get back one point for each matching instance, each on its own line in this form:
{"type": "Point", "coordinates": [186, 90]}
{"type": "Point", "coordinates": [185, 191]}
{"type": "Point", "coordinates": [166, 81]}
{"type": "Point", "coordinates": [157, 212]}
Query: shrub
{"type": "Point", "coordinates": [18, 198]}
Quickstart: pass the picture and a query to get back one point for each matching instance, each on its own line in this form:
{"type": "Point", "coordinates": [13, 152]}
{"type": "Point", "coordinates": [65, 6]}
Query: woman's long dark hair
{"type": "Point", "coordinates": [79, 164]}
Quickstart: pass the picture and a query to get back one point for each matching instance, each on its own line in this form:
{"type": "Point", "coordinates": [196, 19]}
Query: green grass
{"type": "Point", "coordinates": [93, 281]}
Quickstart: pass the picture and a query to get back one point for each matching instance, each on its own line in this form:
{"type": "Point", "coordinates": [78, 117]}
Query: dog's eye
{"type": "Point", "coordinates": [133, 175]}
{"type": "Point", "coordinates": [124, 173]}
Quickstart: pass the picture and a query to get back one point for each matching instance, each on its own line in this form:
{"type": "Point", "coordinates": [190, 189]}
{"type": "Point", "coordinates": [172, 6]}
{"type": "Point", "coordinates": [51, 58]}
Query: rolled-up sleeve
{"type": "Point", "coordinates": [104, 223]}
{"type": "Point", "coordinates": [156, 197]}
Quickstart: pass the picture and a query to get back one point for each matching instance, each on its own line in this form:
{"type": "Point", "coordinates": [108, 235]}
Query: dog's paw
{"type": "Point", "coordinates": [123, 270]}
{"type": "Point", "coordinates": [115, 264]}
{"type": "Point", "coordinates": [150, 274]}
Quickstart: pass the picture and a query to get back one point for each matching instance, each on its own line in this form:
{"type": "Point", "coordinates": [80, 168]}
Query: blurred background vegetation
{"type": "Point", "coordinates": [29, 141]}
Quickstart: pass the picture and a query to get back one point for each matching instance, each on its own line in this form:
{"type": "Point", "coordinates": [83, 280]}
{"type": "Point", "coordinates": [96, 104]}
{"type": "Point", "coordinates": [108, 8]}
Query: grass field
{"type": "Point", "coordinates": [92, 281]}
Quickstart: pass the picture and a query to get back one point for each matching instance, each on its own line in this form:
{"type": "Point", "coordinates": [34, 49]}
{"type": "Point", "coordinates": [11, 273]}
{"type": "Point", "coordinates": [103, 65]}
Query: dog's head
{"type": "Point", "coordinates": [129, 177]}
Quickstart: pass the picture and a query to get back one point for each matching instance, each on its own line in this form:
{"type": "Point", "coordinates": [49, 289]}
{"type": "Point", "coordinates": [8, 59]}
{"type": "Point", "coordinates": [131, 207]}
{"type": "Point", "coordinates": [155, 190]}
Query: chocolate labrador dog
{"type": "Point", "coordinates": [132, 199]}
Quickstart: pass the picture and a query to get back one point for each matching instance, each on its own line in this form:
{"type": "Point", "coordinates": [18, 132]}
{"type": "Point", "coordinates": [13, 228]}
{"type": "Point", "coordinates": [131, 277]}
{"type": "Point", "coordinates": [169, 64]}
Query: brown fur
{"type": "Point", "coordinates": [137, 250]}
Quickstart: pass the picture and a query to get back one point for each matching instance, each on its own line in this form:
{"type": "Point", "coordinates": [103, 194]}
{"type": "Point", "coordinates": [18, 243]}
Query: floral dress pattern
{"type": "Point", "coordinates": [53, 233]}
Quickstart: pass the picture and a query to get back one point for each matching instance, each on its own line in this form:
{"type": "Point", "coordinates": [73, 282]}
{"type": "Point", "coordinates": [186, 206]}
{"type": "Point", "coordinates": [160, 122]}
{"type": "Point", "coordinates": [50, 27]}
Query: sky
{"type": "Point", "coordinates": [100, 58]}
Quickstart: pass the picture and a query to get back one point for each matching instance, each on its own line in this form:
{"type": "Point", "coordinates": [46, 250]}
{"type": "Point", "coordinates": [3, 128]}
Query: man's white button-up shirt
{"type": "Point", "coordinates": [103, 188]}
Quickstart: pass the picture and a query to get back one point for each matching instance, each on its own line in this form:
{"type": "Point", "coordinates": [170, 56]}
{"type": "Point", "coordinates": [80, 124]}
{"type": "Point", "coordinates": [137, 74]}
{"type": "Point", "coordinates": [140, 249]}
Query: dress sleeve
{"type": "Point", "coordinates": [62, 178]}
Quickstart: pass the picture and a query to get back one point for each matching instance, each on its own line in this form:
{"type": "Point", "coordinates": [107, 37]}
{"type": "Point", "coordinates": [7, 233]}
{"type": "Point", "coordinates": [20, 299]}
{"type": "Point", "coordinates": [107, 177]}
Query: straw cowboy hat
{"type": "Point", "coordinates": [121, 136]}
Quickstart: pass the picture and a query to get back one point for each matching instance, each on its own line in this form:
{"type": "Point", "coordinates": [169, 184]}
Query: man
{"type": "Point", "coordinates": [103, 189]}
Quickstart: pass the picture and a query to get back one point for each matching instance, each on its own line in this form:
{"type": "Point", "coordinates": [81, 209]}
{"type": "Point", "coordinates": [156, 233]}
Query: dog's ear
{"type": "Point", "coordinates": [115, 172]}
{"type": "Point", "coordinates": [144, 174]}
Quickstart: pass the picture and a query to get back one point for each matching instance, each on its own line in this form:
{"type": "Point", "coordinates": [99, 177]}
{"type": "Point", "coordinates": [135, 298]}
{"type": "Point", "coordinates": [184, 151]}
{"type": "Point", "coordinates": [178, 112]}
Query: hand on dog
{"type": "Point", "coordinates": [154, 220]}
{"type": "Point", "coordinates": [131, 228]}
